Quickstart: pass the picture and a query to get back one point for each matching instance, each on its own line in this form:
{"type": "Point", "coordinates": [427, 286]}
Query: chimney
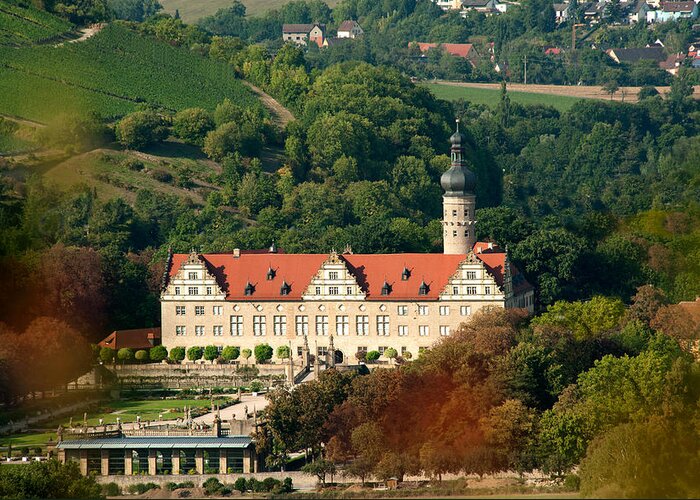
{"type": "Point", "coordinates": [236, 253]}
{"type": "Point", "coordinates": [490, 245]}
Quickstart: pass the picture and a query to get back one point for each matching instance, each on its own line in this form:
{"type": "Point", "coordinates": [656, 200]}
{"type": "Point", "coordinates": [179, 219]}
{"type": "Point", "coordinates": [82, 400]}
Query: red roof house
{"type": "Point", "coordinates": [141, 338]}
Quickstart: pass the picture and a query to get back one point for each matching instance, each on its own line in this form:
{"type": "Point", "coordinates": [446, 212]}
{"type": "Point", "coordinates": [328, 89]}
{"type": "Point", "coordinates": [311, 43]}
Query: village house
{"type": "Point", "coordinates": [349, 29]}
{"type": "Point", "coordinates": [302, 34]}
{"type": "Point", "coordinates": [561, 12]}
{"type": "Point", "coordinates": [633, 55]}
{"type": "Point", "coordinates": [464, 50]}
{"type": "Point", "coordinates": [142, 338]}
{"type": "Point", "coordinates": [344, 304]}
{"type": "Point", "coordinates": [449, 4]}
{"type": "Point", "coordinates": [673, 11]}
{"type": "Point", "coordinates": [487, 7]}
{"type": "Point", "coordinates": [637, 11]}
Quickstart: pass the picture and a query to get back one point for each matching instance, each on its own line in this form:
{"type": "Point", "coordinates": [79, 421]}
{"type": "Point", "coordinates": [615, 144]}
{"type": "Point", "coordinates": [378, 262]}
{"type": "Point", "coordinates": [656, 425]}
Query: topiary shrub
{"type": "Point", "coordinates": [391, 353]}
{"type": "Point", "coordinates": [194, 353]}
{"type": "Point", "coordinates": [283, 352]}
{"type": "Point", "coordinates": [372, 356]}
{"type": "Point", "coordinates": [240, 485]}
{"type": "Point", "coordinates": [245, 354]}
{"type": "Point", "coordinates": [111, 490]}
{"type": "Point", "coordinates": [141, 355]}
{"type": "Point", "coordinates": [230, 353]}
{"type": "Point", "coordinates": [158, 353]}
{"type": "Point", "coordinates": [211, 352]}
{"type": "Point", "coordinates": [107, 354]}
{"type": "Point", "coordinates": [177, 354]}
{"type": "Point", "coordinates": [256, 386]}
{"type": "Point", "coordinates": [263, 352]}
{"type": "Point", "coordinates": [125, 355]}
{"type": "Point", "coordinates": [212, 486]}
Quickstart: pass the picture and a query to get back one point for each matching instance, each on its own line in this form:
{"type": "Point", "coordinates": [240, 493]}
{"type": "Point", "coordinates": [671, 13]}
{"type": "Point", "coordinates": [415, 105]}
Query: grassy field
{"type": "Point", "coordinates": [192, 10]}
{"type": "Point", "coordinates": [490, 97]}
{"type": "Point", "coordinates": [112, 73]}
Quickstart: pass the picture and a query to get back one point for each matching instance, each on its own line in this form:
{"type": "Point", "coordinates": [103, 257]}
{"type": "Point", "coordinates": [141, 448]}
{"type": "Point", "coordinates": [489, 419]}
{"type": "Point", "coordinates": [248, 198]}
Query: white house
{"type": "Point", "coordinates": [349, 29]}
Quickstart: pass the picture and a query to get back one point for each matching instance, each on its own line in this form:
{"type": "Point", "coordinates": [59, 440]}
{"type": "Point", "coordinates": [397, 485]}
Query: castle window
{"type": "Point", "coordinates": [382, 349]}
{"type": "Point", "coordinates": [177, 290]}
{"type": "Point", "coordinates": [217, 310]}
{"type": "Point", "coordinates": [322, 351]}
{"type": "Point", "coordinates": [487, 290]}
{"type": "Point", "coordinates": [403, 330]}
{"type": "Point", "coordinates": [454, 213]}
{"type": "Point", "coordinates": [349, 290]}
{"type": "Point", "coordinates": [386, 288]}
{"type": "Point", "coordinates": [249, 289]}
{"type": "Point", "coordinates": [362, 349]}
{"type": "Point", "coordinates": [192, 290]}
{"type": "Point", "coordinates": [471, 290]}
{"type": "Point", "coordinates": [199, 310]}
{"type": "Point", "coordinates": [209, 290]}
{"type": "Point", "coordinates": [318, 290]}
{"type": "Point", "coordinates": [342, 325]}
{"type": "Point", "coordinates": [259, 326]}
{"type": "Point", "coordinates": [466, 233]}
{"type": "Point", "coordinates": [422, 310]}
{"type": "Point", "coordinates": [423, 289]}
{"type": "Point", "coordinates": [402, 310]}
{"type": "Point", "coordinates": [362, 324]}
{"type": "Point", "coordinates": [321, 325]}
{"type": "Point", "coordinates": [333, 290]}
{"type": "Point", "coordinates": [218, 330]}
{"type": "Point", "coordinates": [444, 330]}
{"type": "Point", "coordinates": [333, 275]}
{"type": "Point", "coordinates": [280, 325]}
{"type": "Point", "coordinates": [382, 325]}
{"type": "Point", "coordinates": [454, 233]}
{"type": "Point", "coordinates": [270, 274]}
{"type": "Point", "coordinates": [192, 276]}
{"type": "Point", "coordinates": [237, 326]}
{"type": "Point", "coordinates": [455, 290]}
{"type": "Point", "coordinates": [179, 310]}
{"type": "Point", "coordinates": [180, 330]}
{"type": "Point", "coordinates": [444, 310]}
{"type": "Point", "coordinates": [471, 275]}
{"type": "Point", "coordinates": [423, 330]}
{"type": "Point", "coordinates": [405, 274]}
{"type": "Point", "coordinates": [199, 330]}
{"type": "Point", "coordinates": [465, 310]}
{"type": "Point", "coordinates": [285, 289]}
{"type": "Point", "coordinates": [302, 325]}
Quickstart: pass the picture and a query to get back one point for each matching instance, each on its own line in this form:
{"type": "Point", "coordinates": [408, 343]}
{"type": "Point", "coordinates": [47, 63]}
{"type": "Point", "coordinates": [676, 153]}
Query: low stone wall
{"type": "Point", "coordinates": [189, 375]}
{"type": "Point", "coordinates": [299, 479]}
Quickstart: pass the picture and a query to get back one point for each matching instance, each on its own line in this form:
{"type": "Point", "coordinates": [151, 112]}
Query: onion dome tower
{"type": "Point", "coordinates": [459, 200]}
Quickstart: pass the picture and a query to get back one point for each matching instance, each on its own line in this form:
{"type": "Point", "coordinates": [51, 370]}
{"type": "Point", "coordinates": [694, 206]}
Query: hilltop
{"type": "Point", "coordinates": [112, 73]}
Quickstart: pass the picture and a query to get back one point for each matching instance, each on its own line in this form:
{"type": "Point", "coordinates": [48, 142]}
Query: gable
{"type": "Point", "coordinates": [334, 281]}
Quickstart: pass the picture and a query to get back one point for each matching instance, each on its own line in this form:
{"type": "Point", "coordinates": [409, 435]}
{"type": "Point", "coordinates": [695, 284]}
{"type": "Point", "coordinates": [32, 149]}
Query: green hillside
{"type": "Point", "coordinates": [21, 25]}
{"type": "Point", "coordinates": [112, 73]}
{"type": "Point", "coordinates": [192, 10]}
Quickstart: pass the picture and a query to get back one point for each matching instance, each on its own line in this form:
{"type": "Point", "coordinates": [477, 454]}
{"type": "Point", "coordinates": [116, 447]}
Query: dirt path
{"type": "Point", "coordinates": [86, 33]}
{"type": "Point", "coordinates": [280, 114]}
{"type": "Point", "coordinates": [22, 121]}
{"type": "Point", "coordinates": [628, 94]}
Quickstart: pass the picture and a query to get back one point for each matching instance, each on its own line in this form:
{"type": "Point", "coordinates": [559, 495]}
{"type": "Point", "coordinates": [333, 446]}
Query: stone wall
{"type": "Point", "coordinates": [299, 479]}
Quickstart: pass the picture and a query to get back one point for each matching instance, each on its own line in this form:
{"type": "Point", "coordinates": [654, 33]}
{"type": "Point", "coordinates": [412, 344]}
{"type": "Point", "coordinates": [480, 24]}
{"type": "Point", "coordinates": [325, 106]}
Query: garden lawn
{"type": "Point", "coordinates": [491, 97]}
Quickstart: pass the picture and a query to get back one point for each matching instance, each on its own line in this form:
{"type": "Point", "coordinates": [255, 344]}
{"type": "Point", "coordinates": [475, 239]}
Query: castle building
{"type": "Point", "coordinates": [344, 302]}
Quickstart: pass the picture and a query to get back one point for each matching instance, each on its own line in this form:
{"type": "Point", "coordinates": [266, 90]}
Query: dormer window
{"type": "Point", "coordinates": [270, 274]}
{"type": "Point", "coordinates": [249, 289]}
{"type": "Point", "coordinates": [285, 288]}
{"type": "Point", "coordinates": [405, 274]}
{"type": "Point", "coordinates": [386, 288]}
{"type": "Point", "coordinates": [423, 289]}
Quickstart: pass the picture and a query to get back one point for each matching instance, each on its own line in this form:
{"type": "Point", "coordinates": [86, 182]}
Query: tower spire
{"type": "Point", "coordinates": [459, 199]}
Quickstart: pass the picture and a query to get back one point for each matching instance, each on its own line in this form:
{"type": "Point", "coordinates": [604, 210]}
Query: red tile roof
{"type": "Point", "coordinates": [347, 25]}
{"type": "Point", "coordinates": [678, 6]}
{"type": "Point", "coordinates": [456, 49]}
{"type": "Point", "coordinates": [132, 339]}
{"type": "Point", "coordinates": [370, 270]}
